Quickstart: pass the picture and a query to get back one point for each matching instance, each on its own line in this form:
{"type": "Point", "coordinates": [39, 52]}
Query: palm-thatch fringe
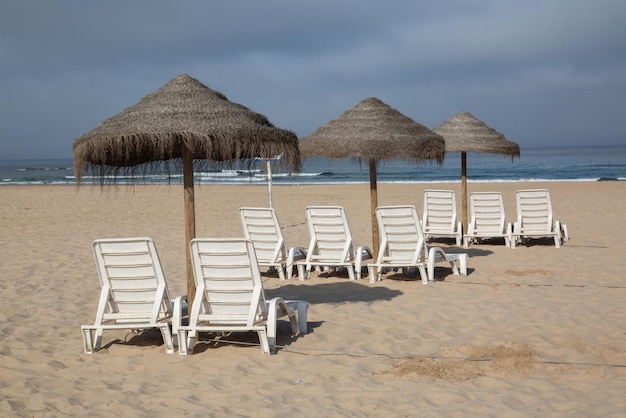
{"type": "Point", "coordinates": [184, 112]}
{"type": "Point", "coordinates": [465, 133]}
{"type": "Point", "coordinates": [372, 130]}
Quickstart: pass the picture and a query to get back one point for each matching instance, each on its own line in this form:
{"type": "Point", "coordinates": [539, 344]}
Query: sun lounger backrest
{"type": "Point", "coordinates": [402, 236]}
{"type": "Point", "coordinates": [439, 211]}
{"type": "Point", "coordinates": [227, 275]}
{"type": "Point", "coordinates": [261, 226]}
{"type": "Point", "coordinates": [131, 274]}
{"type": "Point", "coordinates": [331, 238]}
{"type": "Point", "coordinates": [487, 213]}
{"type": "Point", "coordinates": [534, 211]}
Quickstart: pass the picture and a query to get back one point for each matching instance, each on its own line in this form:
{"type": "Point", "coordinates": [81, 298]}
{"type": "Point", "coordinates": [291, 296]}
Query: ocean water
{"type": "Point", "coordinates": [535, 164]}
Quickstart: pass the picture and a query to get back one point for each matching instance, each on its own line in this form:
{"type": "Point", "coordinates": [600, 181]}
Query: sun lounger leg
{"type": "Point", "coordinates": [558, 238]}
{"type": "Point", "coordinates": [92, 338]}
{"type": "Point", "coordinates": [301, 271]}
{"type": "Point", "coordinates": [374, 273]}
{"type": "Point", "coordinates": [271, 333]}
{"type": "Point", "coordinates": [186, 341]}
{"type": "Point", "coordinates": [463, 264]}
{"type": "Point", "coordinates": [265, 343]}
{"type": "Point", "coordinates": [289, 266]}
{"type": "Point", "coordinates": [351, 272]}
{"type": "Point", "coordinates": [167, 338]}
{"type": "Point", "coordinates": [98, 338]}
{"type": "Point", "coordinates": [182, 342]}
{"type": "Point", "coordinates": [427, 276]}
{"type": "Point", "coordinates": [87, 340]}
{"type": "Point", "coordinates": [303, 309]}
{"type": "Point", "coordinates": [362, 253]}
{"type": "Point", "coordinates": [454, 264]}
{"type": "Point", "coordinates": [281, 272]}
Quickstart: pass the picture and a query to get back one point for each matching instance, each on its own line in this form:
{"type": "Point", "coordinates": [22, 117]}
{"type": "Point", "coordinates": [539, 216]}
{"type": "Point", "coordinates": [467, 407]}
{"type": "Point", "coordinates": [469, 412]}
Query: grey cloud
{"type": "Point", "coordinates": [67, 65]}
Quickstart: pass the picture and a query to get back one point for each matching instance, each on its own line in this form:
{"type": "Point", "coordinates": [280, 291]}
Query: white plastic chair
{"type": "Point", "coordinates": [331, 243]}
{"type": "Point", "coordinates": [403, 245]}
{"type": "Point", "coordinates": [261, 226]}
{"type": "Point", "coordinates": [487, 219]}
{"type": "Point", "coordinates": [134, 293]}
{"type": "Point", "coordinates": [439, 217]}
{"type": "Point", "coordinates": [230, 296]}
{"type": "Point", "coordinates": [535, 218]}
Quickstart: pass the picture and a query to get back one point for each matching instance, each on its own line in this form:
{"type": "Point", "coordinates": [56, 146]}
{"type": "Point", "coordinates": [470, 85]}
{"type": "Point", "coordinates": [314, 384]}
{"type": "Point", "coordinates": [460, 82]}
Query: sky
{"type": "Point", "coordinates": [545, 73]}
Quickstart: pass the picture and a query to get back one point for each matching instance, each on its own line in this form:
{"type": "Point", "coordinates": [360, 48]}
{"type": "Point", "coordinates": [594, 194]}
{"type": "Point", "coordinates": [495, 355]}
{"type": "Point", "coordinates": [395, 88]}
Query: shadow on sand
{"type": "Point", "coordinates": [333, 292]}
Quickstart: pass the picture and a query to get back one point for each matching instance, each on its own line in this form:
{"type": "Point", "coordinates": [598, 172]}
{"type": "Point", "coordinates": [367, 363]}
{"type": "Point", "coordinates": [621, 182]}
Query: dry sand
{"type": "Point", "coordinates": [535, 331]}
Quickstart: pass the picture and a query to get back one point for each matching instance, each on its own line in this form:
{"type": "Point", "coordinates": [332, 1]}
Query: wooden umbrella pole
{"type": "Point", "coordinates": [464, 187]}
{"type": "Point", "coordinates": [190, 219]}
{"type": "Point", "coordinates": [374, 205]}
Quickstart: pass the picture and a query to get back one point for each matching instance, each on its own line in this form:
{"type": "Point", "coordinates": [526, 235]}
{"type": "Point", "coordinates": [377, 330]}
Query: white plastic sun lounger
{"type": "Point", "coordinates": [331, 243]}
{"type": "Point", "coordinates": [487, 219]}
{"type": "Point", "coordinates": [403, 245]}
{"type": "Point", "coordinates": [535, 217]}
{"type": "Point", "coordinates": [230, 297]}
{"type": "Point", "coordinates": [134, 294]}
{"type": "Point", "coordinates": [261, 226]}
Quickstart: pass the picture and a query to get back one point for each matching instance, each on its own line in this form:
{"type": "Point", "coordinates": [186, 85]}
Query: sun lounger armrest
{"type": "Point", "coordinates": [278, 308]}
{"type": "Point", "coordinates": [365, 252]}
{"type": "Point", "coordinates": [294, 254]}
{"type": "Point", "coordinates": [436, 251]}
{"type": "Point", "coordinates": [509, 237]}
{"type": "Point", "coordinates": [180, 309]}
{"type": "Point", "coordinates": [435, 254]}
{"type": "Point", "coordinates": [362, 253]}
{"type": "Point", "coordinates": [297, 253]}
{"type": "Point", "coordinates": [458, 262]}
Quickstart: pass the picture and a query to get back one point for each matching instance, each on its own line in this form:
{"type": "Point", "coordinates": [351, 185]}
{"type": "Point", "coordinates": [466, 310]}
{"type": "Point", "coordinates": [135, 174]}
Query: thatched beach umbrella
{"type": "Point", "coordinates": [373, 131]}
{"type": "Point", "coordinates": [182, 121]}
{"type": "Point", "coordinates": [464, 133]}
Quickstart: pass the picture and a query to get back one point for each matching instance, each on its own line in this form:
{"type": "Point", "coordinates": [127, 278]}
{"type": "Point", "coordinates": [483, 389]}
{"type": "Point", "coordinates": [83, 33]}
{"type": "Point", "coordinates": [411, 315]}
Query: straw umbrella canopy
{"type": "Point", "coordinates": [464, 133]}
{"type": "Point", "coordinates": [182, 121]}
{"type": "Point", "coordinates": [374, 131]}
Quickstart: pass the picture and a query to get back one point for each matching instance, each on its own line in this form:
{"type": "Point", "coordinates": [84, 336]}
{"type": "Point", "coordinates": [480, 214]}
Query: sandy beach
{"type": "Point", "coordinates": [535, 331]}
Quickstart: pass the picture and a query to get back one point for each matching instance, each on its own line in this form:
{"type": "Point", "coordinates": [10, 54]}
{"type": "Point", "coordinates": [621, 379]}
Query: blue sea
{"type": "Point", "coordinates": [604, 163]}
